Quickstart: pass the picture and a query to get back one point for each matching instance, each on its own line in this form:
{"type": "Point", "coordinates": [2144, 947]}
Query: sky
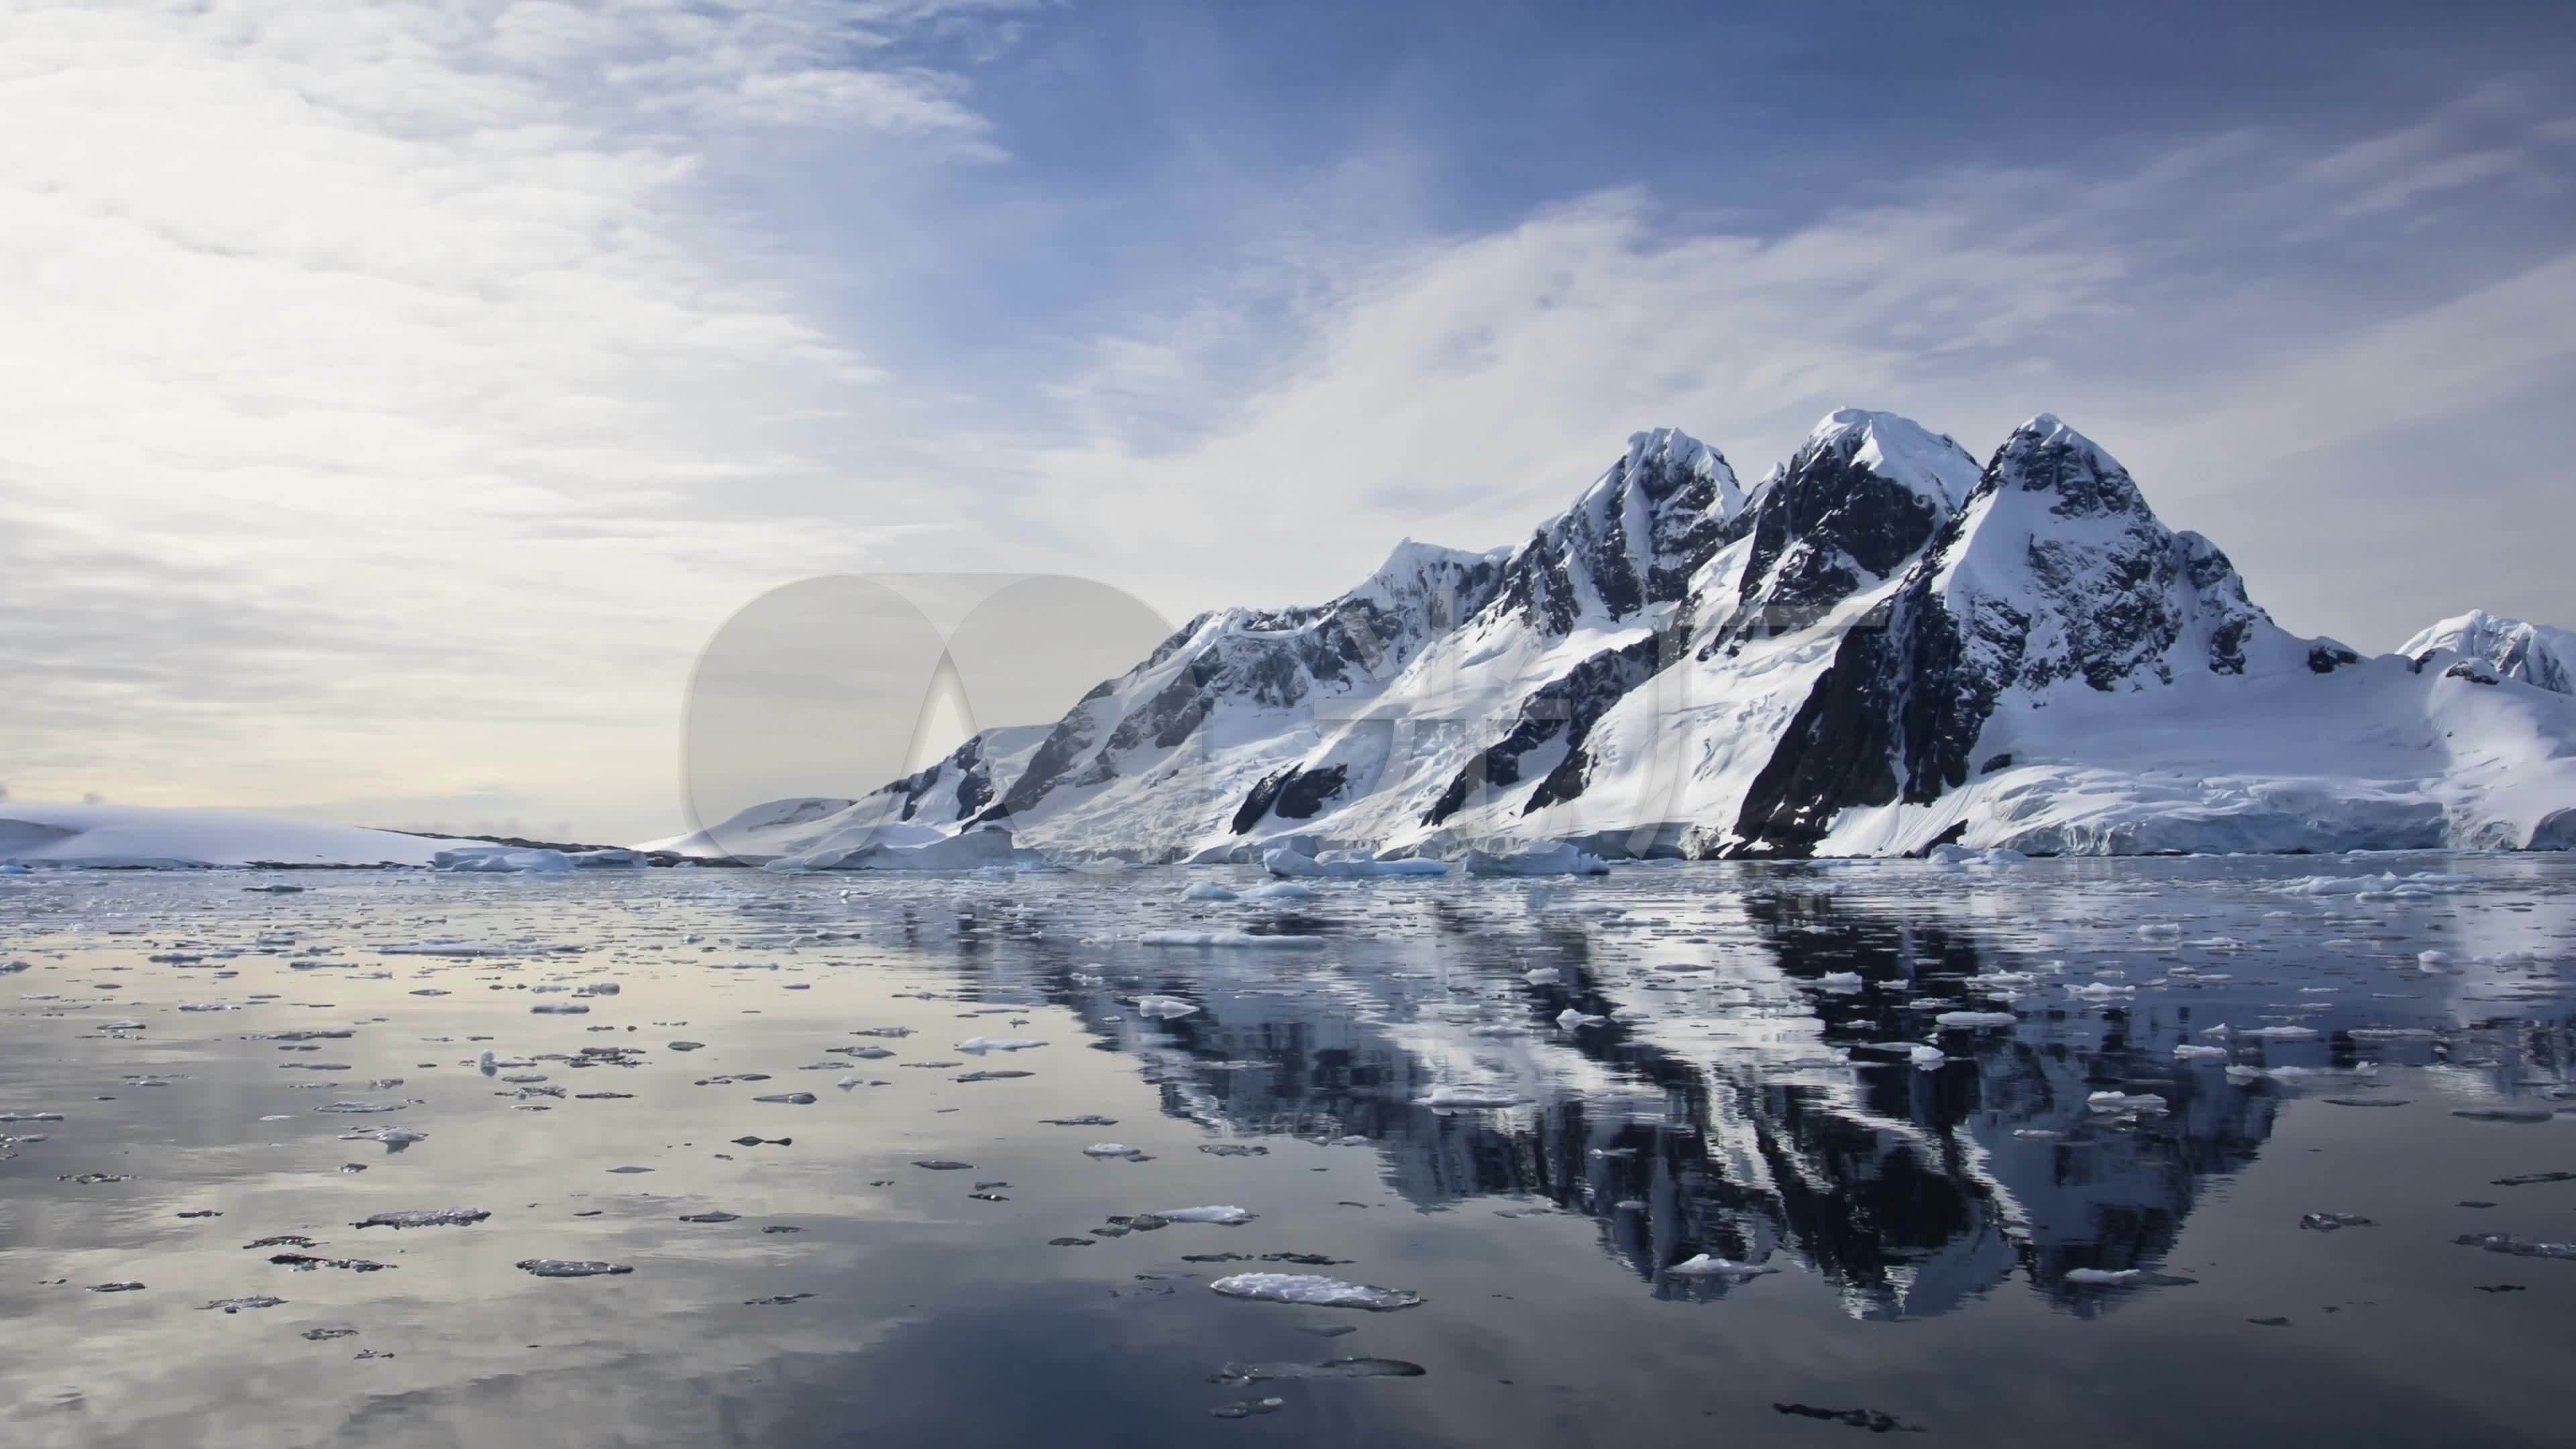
{"type": "Point", "coordinates": [403, 395]}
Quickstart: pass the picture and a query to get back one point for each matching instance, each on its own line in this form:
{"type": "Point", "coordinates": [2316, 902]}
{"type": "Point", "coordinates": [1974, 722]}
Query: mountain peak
{"type": "Point", "coordinates": [2044, 455]}
{"type": "Point", "coordinates": [1675, 457]}
{"type": "Point", "coordinates": [1418, 574]}
{"type": "Point", "coordinates": [1900, 450]}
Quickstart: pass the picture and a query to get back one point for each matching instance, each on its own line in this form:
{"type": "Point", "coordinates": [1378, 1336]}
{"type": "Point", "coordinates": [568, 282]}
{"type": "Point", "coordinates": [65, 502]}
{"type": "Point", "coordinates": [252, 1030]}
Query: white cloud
{"type": "Point", "coordinates": [389, 348]}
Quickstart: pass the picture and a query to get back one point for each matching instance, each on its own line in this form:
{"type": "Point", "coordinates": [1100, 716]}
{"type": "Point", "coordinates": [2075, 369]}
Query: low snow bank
{"type": "Point", "coordinates": [2380, 756]}
{"type": "Point", "coordinates": [99, 837]}
{"type": "Point", "coordinates": [918, 848]}
{"type": "Point", "coordinates": [777, 827]}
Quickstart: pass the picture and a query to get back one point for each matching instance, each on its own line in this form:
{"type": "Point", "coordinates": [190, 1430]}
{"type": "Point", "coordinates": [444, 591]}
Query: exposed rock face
{"type": "Point", "coordinates": [2055, 570]}
{"type": "Point", "coordinates": [1633, 539]}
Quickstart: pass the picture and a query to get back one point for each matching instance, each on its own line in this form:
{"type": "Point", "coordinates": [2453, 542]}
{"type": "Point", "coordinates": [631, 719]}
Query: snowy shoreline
{"type": "Point", "coordinates": [38, 838]}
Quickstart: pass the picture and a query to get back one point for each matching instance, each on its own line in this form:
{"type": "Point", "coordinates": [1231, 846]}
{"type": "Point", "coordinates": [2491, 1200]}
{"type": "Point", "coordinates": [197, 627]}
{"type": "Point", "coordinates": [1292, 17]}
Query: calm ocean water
{"type": "Point", "coordinates": [2262, 1151]}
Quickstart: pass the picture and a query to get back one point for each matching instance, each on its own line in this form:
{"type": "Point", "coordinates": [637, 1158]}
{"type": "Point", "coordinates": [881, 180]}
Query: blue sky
{"type": "Point", "coordinates": [409, 389]}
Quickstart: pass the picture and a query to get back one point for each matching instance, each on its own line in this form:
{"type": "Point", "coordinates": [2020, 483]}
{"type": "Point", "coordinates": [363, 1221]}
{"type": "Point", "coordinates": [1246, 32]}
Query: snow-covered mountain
{"type": "Point", "coordinates": [2533, 653]}
{"type": "Point", "coordinates": [1880, 647]}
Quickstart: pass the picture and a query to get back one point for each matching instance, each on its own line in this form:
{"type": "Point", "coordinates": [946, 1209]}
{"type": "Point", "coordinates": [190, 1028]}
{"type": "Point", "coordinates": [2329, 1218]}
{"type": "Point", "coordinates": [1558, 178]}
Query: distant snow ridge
{"type": "Point", "coordinates": [1882, 647]}
{"type": "Point", "coordinates": [2533, 653]}
{"type": "Point", "coordinates": [147, 837]}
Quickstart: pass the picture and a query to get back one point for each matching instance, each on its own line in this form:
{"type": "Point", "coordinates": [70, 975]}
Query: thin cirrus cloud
{"type": "Point", "coordinates": [2188, 309]}
{"type": "Point", "coordinates": [406, 391]}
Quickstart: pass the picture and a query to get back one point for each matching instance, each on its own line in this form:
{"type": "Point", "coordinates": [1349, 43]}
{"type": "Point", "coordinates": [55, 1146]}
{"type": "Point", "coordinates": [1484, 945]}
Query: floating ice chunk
{"type": "Point", "coordinates": [559, 1008]}
{"type": "Point", "coordinates": [1280, 890]}
{"type": "Point", "coordinates": [1338, 1368]}
{"type": "Point", "coordinates": [982, 1044]}
{"type": "Point", "coordinates": [2283, 1033]}
{"type": "Point", "coordinates": [1232, 1217]}
{"type": "Point", "coordinates": [2159, 931]}
{"type": "Point", "coordinates": [506, 859]}
{"type": "Point", "coordinates": [1163, 1008]}
{"type": "Point", "coordinates": [1315, 1291]}
{"type": "Point", "coordinates": [1961, 857]}
{"type": "Point", "coordinates": [570, 1268]}
{"type": "Point", "coordinates": [1239, 939]}
{"type": "Point", "coordinates": [1705, 1266]}
{"type": "Point", "coordinates": [1839, 981]}
{"type": "Point", "coordinates": [359, 1107]}
{"type": "Point", "coordinates": [2125, 1102]}
{"type": "Point", "coordinates": [1571, 1020]}
{"type": "Point", "coordinates": [1557, 859]}
{"type": "Point", "coordinates": [1971, 1020]}
{"type": "Point", "coordinates": [208, 1006]}
{"type": "Point", "coordinates": [2189, 1052]}
{"type": "Point", "coordinates": [1107, 1150]}
{"type": "Point", "coordinates": [1207, 890]}
{"type": "Point", "coordinates": [236, 1305]}
{"type": "Point", "coordinates": [2105, 1277]}
{"type": "Point", "coordinates": [1344, 867]}
{"type": "Point", "coordinates": [1927, 1057]}
{"type": "Point", "coordinates": [788, 1099]}
{"type": "Point", "coordinates": [425, 1218]}
{"type": "Point", "coordinates": [1470, 1098]}
{"type": "Point", "coordinates": [2331, 1222]}
{"type": "Point", "coordinates": [2518, 1247]}
{"type": "Point", "coordinates": [1542, 976]}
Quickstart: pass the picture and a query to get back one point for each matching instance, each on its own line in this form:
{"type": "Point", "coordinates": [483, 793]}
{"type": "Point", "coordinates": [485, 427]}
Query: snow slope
{"type": "Point", "coordinates": [920, 807]}
{"type": "Point", "coordinates": [101, 836]}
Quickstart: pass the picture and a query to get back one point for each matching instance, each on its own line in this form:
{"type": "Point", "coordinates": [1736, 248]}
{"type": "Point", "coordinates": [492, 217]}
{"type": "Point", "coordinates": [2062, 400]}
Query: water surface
{"type": "Point", "coordinates": [1728, 1061]}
